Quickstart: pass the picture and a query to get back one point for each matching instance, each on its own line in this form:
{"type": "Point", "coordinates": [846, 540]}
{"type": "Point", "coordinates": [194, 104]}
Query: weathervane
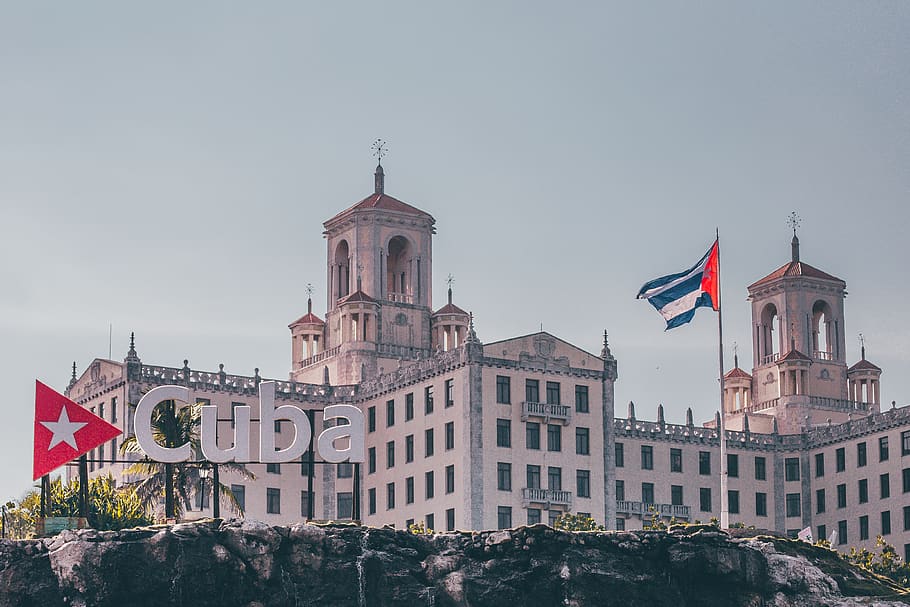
{"type": "Point", "coordinates": [309, 289]}
{"type": "Point", "coordinates": [450, 280]}
{"type": "Point", "coordinates": [379, 149]}
{"type": "Point", "coordinates": [793, 221]}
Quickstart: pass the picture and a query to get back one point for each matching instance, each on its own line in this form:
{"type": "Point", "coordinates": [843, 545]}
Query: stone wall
{"type": "Point", "coordinates": [254, 565]}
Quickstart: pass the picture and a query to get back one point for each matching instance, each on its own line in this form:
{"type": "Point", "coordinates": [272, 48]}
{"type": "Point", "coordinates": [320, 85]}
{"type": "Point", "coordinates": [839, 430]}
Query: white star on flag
{"type": "Point", "coordinates": [64, 430]}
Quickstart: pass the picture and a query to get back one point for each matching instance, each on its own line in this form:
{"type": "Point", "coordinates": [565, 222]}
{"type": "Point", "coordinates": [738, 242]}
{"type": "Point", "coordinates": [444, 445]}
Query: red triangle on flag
{"type": "Point", "coordinates": [64, 430]}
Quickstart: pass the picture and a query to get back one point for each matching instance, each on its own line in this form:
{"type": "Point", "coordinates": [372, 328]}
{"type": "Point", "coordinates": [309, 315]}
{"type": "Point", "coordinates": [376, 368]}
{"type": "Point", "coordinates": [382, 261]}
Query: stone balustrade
{"type": "Point", "coordinates": [546, 412]}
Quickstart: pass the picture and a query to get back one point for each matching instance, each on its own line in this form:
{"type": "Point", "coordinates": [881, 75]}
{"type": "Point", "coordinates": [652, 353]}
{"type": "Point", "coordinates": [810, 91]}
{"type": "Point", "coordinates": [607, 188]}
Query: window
{"type": "Point", "coordinates": [886, 522]}
{"type": "Point", "coordinates": [733, 502]}
{"type": "Point", "coordinates": [647, 457]}
{"type": "Point", "coordinates": [390, 454]}
{"type": "Point", "coordinates": [306, 468]}
{"type": "Point", "coordinates": [371, 460]}
{"type": "Point", "coordinates": [114, 408]}
{"type": "Point", "coordinates": [732, 465]}
{"type": "Point", "coordinates": [884, 481]}
{"type": "Point", "coordinates": [883, 449]}
{"type": "Point", "coordinates": [428, 400]}
{"type": "Point", "coordinates": [581, 399]}
{"type": "Point", "coordinates": [450, 478]}
{"type": "Point", "coordinates": [675, 460]}
{"type": "Point", "coordinates": [863, 490]}
{"type": "Point", "coordinates": [408, 406]}
{"type": "Point", "coordinates": [450, 435]}
{"type": "Point", "coordinates": [429, 482]}
{"type": "Point", "coordinates": [620, 524]}
{"type": "Point", "coordinates": [233, 409]}
{"type": "Point", "coordinates": [906, 479]}
{"type": "Point", "coordinates": [345, 470]}
{"type": "Point", "coordinates": [371, 419]}
{"type": "Point", "coordinates": [450, 393]}
{"type": "Point", "coordinates": [409, 490]}
{"type": "Point", "coordinates": [583, 483]}
{"type": "Point", "coordinates": [239, 492]}
{"type": "Point", "coordinates": [371, 500]}
{"type": "Point", "coordinates": [345, 504]}
{"type": "Point", "coordinates": [861, 455]}
{"type": "Point", "coordinates": [841, 532]}
{"type": "Point", "coordinates": [533, 476]}
{"type": "Point", "coordinates": [793, 508]}
{"type": "Point", "coordinates": [906, 518]}
{"type": "Point", "coordinates": [761, 504]}
{"type": "Point", "coordinates": [533, 516]}
{"type": "Point", "coordinates": [428, 442]}
{"type": "Point", "coordinates": [619, 458]}
{"type": "Point", "coordinates": [582, 441]}
{"type": "Point", "coordinates": [791, 468]}
{"type": "Point", "coordinates": [553, 393]}
{"type": "Point", "coordinates": [819, 501]}
{"type": "Point", "coordinates": [503, 433]}
{"type": "Point", "coordinates": [273, 501]}
{"type": "Point", "coordinates": [390, 496]}
{"type": "Point", "coordinates": [554, 437]}
{"type": "Point", "coordinates": [430, 521]}
{"type": "Point", "coordinates": [647, 493]}
{"type": "Point", "coordinates": [305, 504]}
{"type": "Point", "coordinates": [554, 478]}
{"type": "Point", "coordinates": [389, 413]}
{"type": "Point", "coordinates": [532, 435]}
{"type": "Point", "coordinates": [273, 468]}
{"type": "Point", "coordinates": [504, 517]}
{"type": "Point", "coordinates": [676, 495]}
{"type": "Point", "coordinates": [864, 527]}
{"type": "Point", "coordinates": [450, 519]}
{"type": "Point", "coordinates": [277, 426]}
{"type": "Point", "coordinates": [621, 491]}
{"type": "Point", "coordinates": [840, 460]}
{"type": "Point", "coordinates": [532, 391]}
{"type": "Point", "coordinates": [552, 515]}
{"type": "Point", "coordinates": [409, 448]}
{"type": "Point", "coordinates": [760, 469]}
{"type": "Point", "coordinates": [704, 499]}
{"type": "Point", "coordinates": [704, 462]}
{"type": "Point", "coordinates": [819, 465]}
{"type": "Point", "coordinates": [905, 442]}
{"type": "Point", "coordinates": [842, 495]}
{"type": "Point", "coordinates": [504, 476]}
{"type": "Point", "coordinates": [504, 389]}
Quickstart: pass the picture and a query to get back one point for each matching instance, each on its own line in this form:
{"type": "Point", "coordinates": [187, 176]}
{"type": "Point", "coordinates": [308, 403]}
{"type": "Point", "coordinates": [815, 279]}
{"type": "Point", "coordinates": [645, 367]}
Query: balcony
{"type": "Point", "coordinates": [770, 358]}
{"type": "Point", "coordinates": [548, 497]}
{"type": "Point", "coordinates": [822, 355]}
{"type": "Point", "coordinates": [644, 509]}
{"type": "Point", "coordinates": [399, 298]}
{"type": "Point", "coordinates": [546, 412]}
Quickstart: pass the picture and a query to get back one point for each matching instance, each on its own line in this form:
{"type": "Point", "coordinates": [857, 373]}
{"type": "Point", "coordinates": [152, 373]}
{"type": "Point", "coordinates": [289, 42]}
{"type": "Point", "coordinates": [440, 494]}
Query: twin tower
{"type": "Point", "coordinates": [380, 296]}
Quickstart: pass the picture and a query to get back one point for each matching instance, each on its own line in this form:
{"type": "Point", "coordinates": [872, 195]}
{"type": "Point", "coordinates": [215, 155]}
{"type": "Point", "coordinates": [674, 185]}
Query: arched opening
{"type": "Point", "coordinates": [769, 347]}
{"type": "Point", "coordinates": [341, 270]}
{"type": "Point", "coordinates": [821, 330]}
{"type": "Point", "coordinates": [398, 275]}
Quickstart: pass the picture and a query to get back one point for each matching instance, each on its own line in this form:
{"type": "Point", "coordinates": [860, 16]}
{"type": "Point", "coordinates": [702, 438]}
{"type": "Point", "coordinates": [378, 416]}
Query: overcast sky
{"type": "Point", "coordinates": [166, 169]}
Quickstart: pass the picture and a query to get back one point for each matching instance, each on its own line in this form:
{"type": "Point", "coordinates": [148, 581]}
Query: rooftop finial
{"type": "Point", "coordinates": [735, 355]}
{"type": "Point", "coordinates": [862, 346]}
{"type": "Point", "coordinates": [793, 221]}
{"type": "Point", "coordinates": [74, 370]}
{"type": "Point", "coordinates": [379, 150]}
{"type": "Point", "coordinates": [450, 280]}
{"type": "Point", "coordinates": [309, 298]}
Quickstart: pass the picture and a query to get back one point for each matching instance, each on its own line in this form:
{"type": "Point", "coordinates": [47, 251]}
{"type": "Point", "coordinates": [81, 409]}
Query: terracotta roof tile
{"type": "Point", "coordinates": [795, 268]}
{"type": "Point", "coordinates": [357, 296]}
{"type": "Point", "coordinates": [793, 355]}
{"type": "Point", "coordinates": [384, 202]}
{"type": "Point", "coordinates": [308, 318]}
{"type": "Point", "coordinates": [735, 373]}
{"type": "Point", "coordinates": [450, 308]}
{"type": "Point", "coordinates": [864, 365]}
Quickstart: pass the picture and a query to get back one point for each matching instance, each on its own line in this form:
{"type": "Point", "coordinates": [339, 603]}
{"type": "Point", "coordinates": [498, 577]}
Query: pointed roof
{"type": "Point", "coordinates": [864, 365]}
{"type": "Point", "coordinates": [357, 296]}
{"type": "Point", "coordinates": [795, 269]}
{"type": "Point", "coordinates": [384, 202]}
{"type": "Point", "coordinates": [450, 308]}
{"type": "Point", "coordinates": [793, 354]}
{"type": "Point", "coordinates": [737, 373]}
{"type": "Point", "coordinates": [308, 318]}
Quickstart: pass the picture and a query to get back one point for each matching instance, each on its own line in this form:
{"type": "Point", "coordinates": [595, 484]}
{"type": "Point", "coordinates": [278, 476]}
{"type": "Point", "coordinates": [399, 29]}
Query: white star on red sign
{"type": "Point", "coordinates": [64, 430]}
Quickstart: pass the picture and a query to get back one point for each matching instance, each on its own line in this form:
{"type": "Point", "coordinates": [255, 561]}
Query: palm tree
{"type": "Point", "coordinates": [172, 427]}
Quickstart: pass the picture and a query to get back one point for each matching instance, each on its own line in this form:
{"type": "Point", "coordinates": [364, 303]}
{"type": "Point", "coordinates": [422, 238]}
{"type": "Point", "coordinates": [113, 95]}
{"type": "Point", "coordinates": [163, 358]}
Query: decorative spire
{"type": "Point", "coordinates": [309, 298]}
{"type": "Point", "coordinates": [631, 415]}
{"type": "Point", "coordinates": [689, 421]}
{"type": "Point", "coordinates": [862, 347]}
{"type": "Point", "coordinates": [605, 351]}
{"type": "Point", "coordinates": [472, 335]}
{"type": "Point", "coordinates": [793, 220]}
{"type": "Point", "coordinates": [660, 414]}
{"type": "Point", "coordinates": [132, 350]}
{"type": "Point", "coordinates": [735, 355]}
{"type": "Point", "coordinates": [379, 150]}
{"type": "Point", "coordinates": [450, 280]}
{"type": "Point", "coordinates": [73, 378]}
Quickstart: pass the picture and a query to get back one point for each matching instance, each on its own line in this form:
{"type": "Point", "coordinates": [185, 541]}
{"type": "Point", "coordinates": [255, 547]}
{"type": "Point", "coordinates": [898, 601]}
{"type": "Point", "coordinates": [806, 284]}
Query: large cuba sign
{"type": "Point", "coordinates": [353, 430]}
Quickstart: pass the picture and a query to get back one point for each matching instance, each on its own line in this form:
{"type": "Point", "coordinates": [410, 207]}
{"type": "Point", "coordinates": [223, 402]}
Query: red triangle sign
{"type": "Point", "coordinates": [64, 430]}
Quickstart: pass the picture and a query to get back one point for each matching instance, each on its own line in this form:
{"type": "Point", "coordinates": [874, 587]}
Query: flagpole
{"type": "Point", "coordinates": [722, 431]}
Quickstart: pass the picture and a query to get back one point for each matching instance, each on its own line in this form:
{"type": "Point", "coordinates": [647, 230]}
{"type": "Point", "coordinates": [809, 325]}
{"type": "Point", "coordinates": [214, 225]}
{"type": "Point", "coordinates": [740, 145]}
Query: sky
{"type": "Point", "coordinates": [165, 168]}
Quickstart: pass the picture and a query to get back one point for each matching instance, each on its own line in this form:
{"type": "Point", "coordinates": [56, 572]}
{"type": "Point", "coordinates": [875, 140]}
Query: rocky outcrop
{"type": "Point", "coordinates": [251, 564]}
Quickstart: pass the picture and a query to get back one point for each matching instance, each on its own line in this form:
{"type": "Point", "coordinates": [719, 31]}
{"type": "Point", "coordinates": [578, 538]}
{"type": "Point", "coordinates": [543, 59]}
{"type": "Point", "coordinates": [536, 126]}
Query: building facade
{"type": "Point", "coordinates": [462, 434]}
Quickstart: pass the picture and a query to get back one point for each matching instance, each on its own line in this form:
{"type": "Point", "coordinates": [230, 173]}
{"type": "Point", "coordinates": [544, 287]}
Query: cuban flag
{"type": "Point", "coordinates": [678, 295]}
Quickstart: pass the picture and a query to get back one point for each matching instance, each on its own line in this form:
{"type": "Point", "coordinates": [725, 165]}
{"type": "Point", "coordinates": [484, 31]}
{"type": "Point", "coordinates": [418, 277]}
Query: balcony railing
{"type": "Point", "coordinates": [644, 509]}
{"type": "Point", "coordinates": [822, 355]}
{"type": "Point", "coordinates": [770, 358]}
{"type": "Point", "coordinates": [399, 298]}
{"type": "Point", "coordinates": [837, 404]}
{"type": "Point", "coordinates": [318, 357]}
{"type": "Point", "coordinates": [549, 497]}
{"type": "Point", "coordinates": [546, 411]}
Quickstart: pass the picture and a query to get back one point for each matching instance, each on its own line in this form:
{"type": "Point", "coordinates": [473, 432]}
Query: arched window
{"type": "Point", "coordinates": [768, 346]}
{"type": "Point", "coordinates": [341, 270]}
{"type": "Point", "coordinates": [398, 276]}
{"type": "Point", "coordinates": [821, 331]}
